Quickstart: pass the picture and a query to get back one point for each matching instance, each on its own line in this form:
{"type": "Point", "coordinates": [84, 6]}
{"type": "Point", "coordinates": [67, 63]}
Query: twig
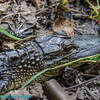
{"type": "Point", "coordinates": [85, 82]}
{"type": "Point", "coordinates": [42, 10]}
{"type": "Point", "coordinates": [92, 6]}
{"type": "Point", "coordinates": [25, 13]}
{"type": "Point", "coordinates": [91, 93]}
{"type": "Point", "coordinates": [6, 16]}
{"type": "Point", "coordinates": [15, 2]}
{"type": "Point", "coordinates": [88, 75]}
{"type": "Point", "coordinates": [87, 89]}
{"type": "Point", "coordinates": [97, 2]}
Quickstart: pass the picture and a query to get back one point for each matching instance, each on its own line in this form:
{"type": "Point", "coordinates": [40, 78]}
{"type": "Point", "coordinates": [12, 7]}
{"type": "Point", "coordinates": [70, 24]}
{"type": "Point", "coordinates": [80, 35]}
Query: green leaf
{"type": "Point", "coordinates": [9, 35]}
{"type": "Point", "coordinates": [97, 58]}
{"type": "Point", "coordinates": [62, 2]}
{"type": "Point", "coordinates": [65, 2]}
{"type": "Point", "coordinates": [1, 98]}
{"type": "Point", "coordinates": [97, 7]}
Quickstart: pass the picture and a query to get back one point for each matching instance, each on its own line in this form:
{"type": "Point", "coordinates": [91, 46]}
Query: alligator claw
{"type": "Point", "coordinates": [21, 31]}
{"type": "Point", "coordinates": [24, 28]}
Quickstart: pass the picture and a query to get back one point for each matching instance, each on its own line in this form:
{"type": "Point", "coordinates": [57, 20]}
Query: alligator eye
{"type": "Point", "coordinates": [69, 48]}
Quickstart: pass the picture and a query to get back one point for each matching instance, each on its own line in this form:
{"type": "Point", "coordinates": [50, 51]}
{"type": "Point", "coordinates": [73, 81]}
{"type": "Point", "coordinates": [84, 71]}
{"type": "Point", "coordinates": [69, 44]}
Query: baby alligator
{"type": "Point", "coordinates": [19, 64]}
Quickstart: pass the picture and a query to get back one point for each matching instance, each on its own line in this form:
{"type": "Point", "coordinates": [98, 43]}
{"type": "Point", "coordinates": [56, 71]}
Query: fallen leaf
{"type": "Point", "coordinates": [3, 6]}
{"type": "Point", "coordinates": [37, 3]}
{"type": "Point", "coordinates": [60, 9]}
{"type": "Point", "coordinates": [29, 17]}
{"type": "Point", "coordinates": [71, 1]}
{"type": "Point", "coordinates": [62, 24]}
{"type": "Point", "coordinates": [2, 1]}
{"type": "Point", "coordinates": [8, 45]}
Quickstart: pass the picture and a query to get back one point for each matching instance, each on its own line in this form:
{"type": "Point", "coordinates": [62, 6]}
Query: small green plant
{"type": "Point", "coordinates": [1, 98]}
{"type": "Point", "coordinates": [62, 3]}
{"type": "Point", "coordinates": [9, 35]}
{"type": "Point", "coordinates": [96, 10]}
{"type": "Point", "coordinates": [98, 21]}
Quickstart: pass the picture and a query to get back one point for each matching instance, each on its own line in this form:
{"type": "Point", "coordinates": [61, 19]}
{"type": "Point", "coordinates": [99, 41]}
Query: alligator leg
{"type": "Point", "coordinates": [21, 31]}
{"type": "Point", "coordinates": [27, 59]}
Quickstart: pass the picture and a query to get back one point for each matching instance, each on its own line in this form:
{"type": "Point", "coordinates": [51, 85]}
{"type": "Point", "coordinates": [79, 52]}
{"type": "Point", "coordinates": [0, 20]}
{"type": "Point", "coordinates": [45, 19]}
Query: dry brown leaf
{"type": "Point", "coordinates": [60, 9]}
{"type": "Point", "coordinates": [28, 17]}
{"type": "Point", "coordinates": [8, 45]}
{"type": "Point", "coordinates": [71, 1]}
{"type": "Point", "coordinates": [4, 6]}
{"type": "Point", "coordinates": [62, 24]}
{"type": "Point", "coordinates": [37, 3]}
{"type": "Point", "coordinates": [2, 1]}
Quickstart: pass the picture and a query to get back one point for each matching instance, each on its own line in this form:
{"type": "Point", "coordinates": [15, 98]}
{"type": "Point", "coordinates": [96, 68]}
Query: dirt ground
{"type": "Point", "coordinates": [45, 17]}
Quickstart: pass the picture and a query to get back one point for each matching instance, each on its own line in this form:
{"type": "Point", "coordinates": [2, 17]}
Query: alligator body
{"type": "Point", "coordinates": [19, 64]}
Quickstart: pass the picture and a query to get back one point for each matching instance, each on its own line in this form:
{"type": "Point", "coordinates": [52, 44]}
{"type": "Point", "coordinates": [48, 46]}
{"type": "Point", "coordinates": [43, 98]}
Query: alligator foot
{"type": "Point", "coordinates": [21, 31]}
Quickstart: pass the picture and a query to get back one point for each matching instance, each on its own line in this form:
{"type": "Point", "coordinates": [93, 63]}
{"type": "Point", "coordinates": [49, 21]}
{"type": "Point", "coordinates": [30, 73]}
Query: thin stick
{"type": "Point", "coordinates": [85, 82]}
{"type": "Point", "coordinates": [97, 2]}
{"type": "Point", "coordinates": [92, 6]}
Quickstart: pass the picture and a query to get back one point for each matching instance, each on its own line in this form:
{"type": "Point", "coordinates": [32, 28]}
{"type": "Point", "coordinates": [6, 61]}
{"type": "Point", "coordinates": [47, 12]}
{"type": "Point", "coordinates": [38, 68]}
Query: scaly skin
{"type": "Point", "coordinates": [18, 65]}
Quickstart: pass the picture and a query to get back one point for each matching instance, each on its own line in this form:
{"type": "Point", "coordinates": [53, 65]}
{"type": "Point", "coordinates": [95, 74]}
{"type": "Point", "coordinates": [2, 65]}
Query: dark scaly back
{"type": "Point", "coordinates": [20, 64]}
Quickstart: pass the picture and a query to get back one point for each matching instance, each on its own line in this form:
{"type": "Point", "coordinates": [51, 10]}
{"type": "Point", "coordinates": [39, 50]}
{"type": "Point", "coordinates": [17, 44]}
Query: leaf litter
{"type": "Point", "coordinates": [45, 19]}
